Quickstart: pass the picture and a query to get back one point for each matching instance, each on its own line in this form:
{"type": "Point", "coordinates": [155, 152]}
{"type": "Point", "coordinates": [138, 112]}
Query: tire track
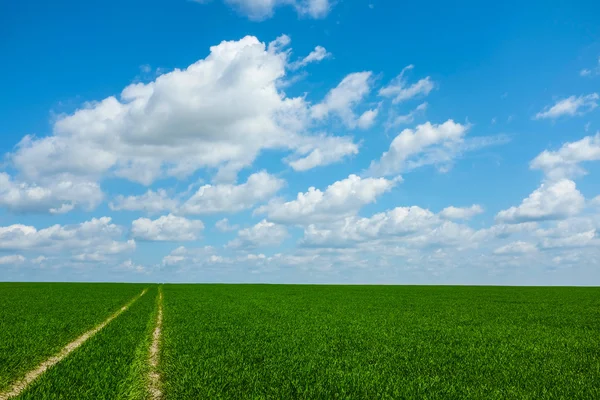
{"type": "Point", "coordinates": [32, 375]}
{"type": "Point", "coordinates": [154, 379]}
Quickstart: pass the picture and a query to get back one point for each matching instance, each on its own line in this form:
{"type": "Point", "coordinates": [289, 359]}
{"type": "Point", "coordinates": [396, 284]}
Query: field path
{"type": "Point", "coordinates": [32, 375]}
{"type": "Point", "coordinates": [154, 380]}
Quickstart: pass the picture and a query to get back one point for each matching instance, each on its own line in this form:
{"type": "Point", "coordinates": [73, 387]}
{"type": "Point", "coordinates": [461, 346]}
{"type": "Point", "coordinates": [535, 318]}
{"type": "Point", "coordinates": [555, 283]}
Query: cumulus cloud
{"type": "Point", "coordinates": [12, 259]}
{"type": "Point", "coordinates": [564, 163]}
{"type": "Point", "coordinates": [202, 256]}
{"type": "Point", "coordinates": [321, 151]}
{"type": "Point", "coordinates": [264, 233]}
{"type": "Point", "coordinates": [344, 97]}
{"type": "Point", "coordinates": [401, 91]}
{"type": "Point", "coordinates": [571, 106]}
{"type": "Point", "coordinates": [210, 199]}
{"type": "Point", "coordinates": [151, 202]}
{"type": "Point", "coordinates": [341, 198]}
{"type": "Point", "coordinates": [168, 228]}
{"type": "Point", "coordinates": [551, 201]}
{"type": "Point", "coordinates": [437, 142]}
{"type": "Point", "coordinates": [208, 115]}
{"type": "Point", "coordinates": [57, 196]}
{"type": "Point", "coordinates": [461, 212]}
{"type": "Point", "coordinates": [367, 119]}
{"type": "Point", "coordinates": [317, 55]}
{"type": "Point", "coordinates": [400, 221]}
{"type": "Point", "coordinates": [259, 10]}
{"type": "Point", "coordinates": [97, 236]}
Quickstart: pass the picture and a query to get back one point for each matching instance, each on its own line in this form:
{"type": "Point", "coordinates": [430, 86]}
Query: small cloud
{"type": "Point", "coordinates": [571, 106]}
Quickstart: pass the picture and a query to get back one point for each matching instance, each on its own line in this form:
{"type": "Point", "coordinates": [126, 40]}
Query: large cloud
{"type": "Point", "coordinates": [219, 112]}
{"type": "Point", "coordinates": [264, 233]}
{"type": "Point", "coordinates": [211, 199]}
{"type": "Point", "coordinates": [565, 161]}
{"type": "Point", "coordinates": [168, 228]}
{"type": "Point", "coordinates": [551, 201]}
{"type": "Point", "coordinates": [401, 221]}
{"type": "Point", "coordinates": [151, 202]}
{"type": "Point", "coordinates": [91, 240]}
{"type": "Point", "coordinates": [437, 142]}
{"type": "Point", "coordinates": [340, 199]}
{"type": "Point", "coordinates": [56, 196]}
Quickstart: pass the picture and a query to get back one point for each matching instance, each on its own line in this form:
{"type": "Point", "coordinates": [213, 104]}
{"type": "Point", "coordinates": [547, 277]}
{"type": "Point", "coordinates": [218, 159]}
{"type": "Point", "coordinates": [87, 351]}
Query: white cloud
{"type": "Point", "coordinates": [503, 231]}
{"type": "Point", "coordinates": [166, 228]}
{"type": "Point", "coordinates": [344, 97]}
{"type": "Point", "coordinates": [367, 119]}
{"type": "Point", "coordinates": [208, 115]}
{"type": "Point", "coordinates": [321, 151]}
{"type": "Point", "coordinates": [57, 196]}
{"type": "Point", "coordinates": [259, 10]}
{"type": "Point", "coordinates": [203, 256]}
{"type": "Point", "coordinates": [264, 233]}
{"type": "Point", "coordinates": [399, 90]}
{"type": "Point", "coordinates": [397, 120]}
{"type": "Point", "coordinates": [95, 236]}
{"type": "Point", "coordinates": [223, 225]}
{"type": "Point", "coordinates": [570, 106]}
{"type": "Point", "coordinates": [12, 259]}
{"type": "Point", "coordinates": [551, 201]}
{"type": "Point", "coordinates": [581, 239]}
{"type": "Point", "coordinates": [436, 140]}
{"type": "Point", "coordinates": [151, 202]}
{"type": "Point", "coordinates": [516, 248]}
{"type": "Point", "coordinates": [401, 221]}
{"type": "Point", "coordinates": [341, 198]}
{"type": "Point", "coordinates": [565, 162]}
{"type": "Point", "coordinates": [318, 54]}
{"type": "Point", "coordinates": [461, 212]}
{"type": "Point", "coordinates": [210, 199]}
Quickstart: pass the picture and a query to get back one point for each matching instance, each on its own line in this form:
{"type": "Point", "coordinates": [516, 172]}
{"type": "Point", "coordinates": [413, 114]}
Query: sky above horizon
{"type": "Point", "coordinates": [300, 141]}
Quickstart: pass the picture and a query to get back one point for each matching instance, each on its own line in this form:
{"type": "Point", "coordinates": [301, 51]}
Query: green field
{"type": "Point", "coordinates": [38, 319]}
{"type": "Point", "coordinates": [322, 342]}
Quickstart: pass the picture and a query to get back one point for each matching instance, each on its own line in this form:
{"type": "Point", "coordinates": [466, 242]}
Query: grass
{"type": "Point", "coordinates": [349, 342]}
{"type": "Point", "coordinates": [109, 365]}
{"type": "Point", "coordinates": [38, 319]}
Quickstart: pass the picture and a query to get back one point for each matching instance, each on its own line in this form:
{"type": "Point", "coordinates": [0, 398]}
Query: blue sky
{"type": "Point", "coordinates": [301, 141]}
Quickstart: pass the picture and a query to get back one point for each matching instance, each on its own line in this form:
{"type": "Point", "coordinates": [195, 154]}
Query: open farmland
{"type": "Point", "coordinates": [371, 342]}
{"type": "Point", "coordinates": [279, 341]}
{"type": "Point", "coordinates": [38, 319]}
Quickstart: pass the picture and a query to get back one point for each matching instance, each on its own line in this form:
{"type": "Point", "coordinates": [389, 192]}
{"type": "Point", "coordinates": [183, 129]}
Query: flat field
{"type": "Point", "coordinates": [38, 319]}
{"type": "Point", "coordinates": [316, 342]}
{"type": "Point", "coordinates": [110, 365]}
{"type": "Point", "coordinates": [258, 341]}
